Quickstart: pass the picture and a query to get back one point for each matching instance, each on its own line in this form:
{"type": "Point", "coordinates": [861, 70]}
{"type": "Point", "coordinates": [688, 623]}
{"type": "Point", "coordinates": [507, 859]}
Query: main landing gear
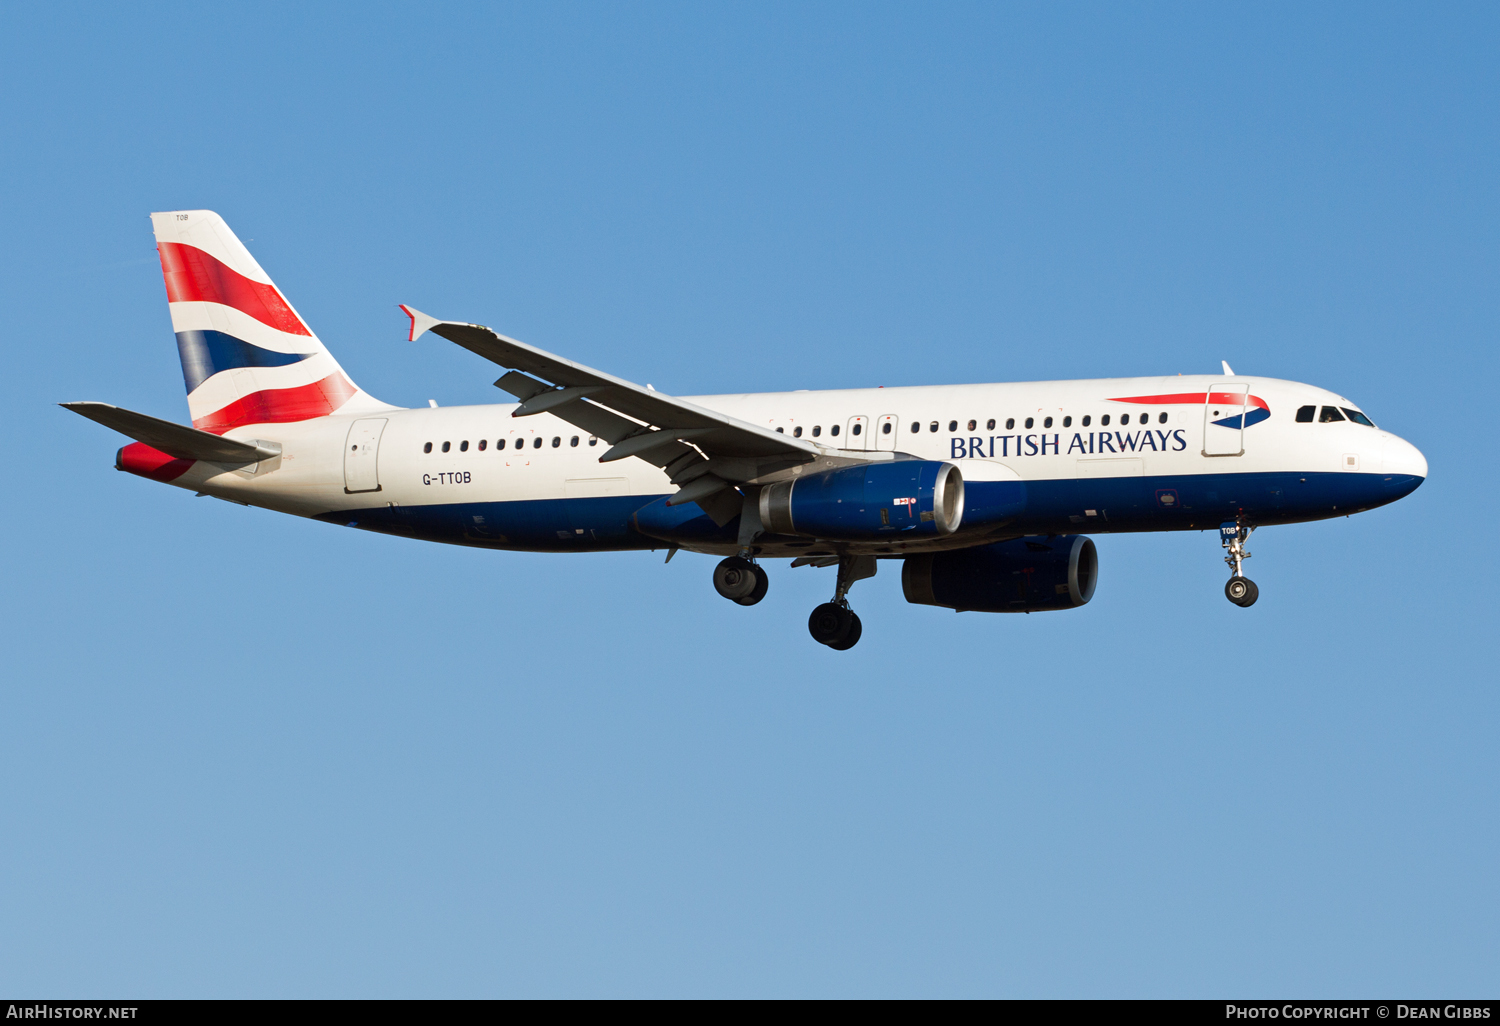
{"type": "Point", "coordinates": [1240, 590]}
{"type": "Point", "coordinates": [740, 580]}
{"type": "Point", "coordinates": [833, 623]}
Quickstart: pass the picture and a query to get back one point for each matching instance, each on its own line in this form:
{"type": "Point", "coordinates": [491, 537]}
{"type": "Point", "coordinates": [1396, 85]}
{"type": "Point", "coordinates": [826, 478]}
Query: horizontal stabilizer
{"type": "Point", "coordinates": [175, 440]}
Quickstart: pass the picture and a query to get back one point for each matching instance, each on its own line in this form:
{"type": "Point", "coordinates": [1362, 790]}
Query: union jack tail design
{"type": "Point", "coordinates": [247, 357]}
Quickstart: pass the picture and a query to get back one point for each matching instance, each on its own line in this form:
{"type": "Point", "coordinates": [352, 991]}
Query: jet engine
{"type": "Point", "coordinates": [1024, 575]}
{"type": "Point", "coordinates": [871, 501]}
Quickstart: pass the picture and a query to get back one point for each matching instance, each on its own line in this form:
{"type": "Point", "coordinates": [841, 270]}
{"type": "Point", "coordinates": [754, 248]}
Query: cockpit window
{"type": "Point", "coordinates": [1305, 414]}
{"type": "Point", "coordinates": [1357, 417]}
{"type": "Point", "coordinates": [1329, 415]}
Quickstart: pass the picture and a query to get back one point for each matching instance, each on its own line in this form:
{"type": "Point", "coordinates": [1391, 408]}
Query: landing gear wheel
{"type": "Point", "coordinates": [762, 585]}
{"type": "Point", "coordinates": [735, 578]}
{"type": "Point", "coordinates": [1241, 591]}
{"type": "Point", "coordinates": [831, 624]}
{"type": "Point", "coordinates": [852, 638]}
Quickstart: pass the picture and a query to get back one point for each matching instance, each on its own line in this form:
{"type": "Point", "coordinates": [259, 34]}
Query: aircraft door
{"type": "Point", "coordinates": [857, 433]}
{"type": "Point", "coordinates": [361, 454]}
{"type": "Point", "coordinates": [1224, 412]}
{"type": "Point", "coordinates": [887, 429]}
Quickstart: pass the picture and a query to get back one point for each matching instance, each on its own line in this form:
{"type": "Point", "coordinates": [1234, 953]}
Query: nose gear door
{"type": "Point", "coordinates": [1224, 410]}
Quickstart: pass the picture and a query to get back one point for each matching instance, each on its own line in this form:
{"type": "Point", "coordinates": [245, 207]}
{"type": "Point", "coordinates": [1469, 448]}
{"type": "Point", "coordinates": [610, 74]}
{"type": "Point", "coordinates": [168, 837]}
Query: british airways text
{"type": "Point", "coordinates": [1051, 445]}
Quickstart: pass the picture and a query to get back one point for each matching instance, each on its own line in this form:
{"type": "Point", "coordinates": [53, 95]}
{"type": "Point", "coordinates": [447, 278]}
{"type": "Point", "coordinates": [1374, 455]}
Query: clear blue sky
{"type": "Point", "coordinates": [242, 754]}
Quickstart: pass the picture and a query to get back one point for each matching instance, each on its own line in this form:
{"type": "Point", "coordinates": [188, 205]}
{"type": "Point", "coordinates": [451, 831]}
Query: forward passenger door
{"type": "Point", "coordinates": [1224, 412]}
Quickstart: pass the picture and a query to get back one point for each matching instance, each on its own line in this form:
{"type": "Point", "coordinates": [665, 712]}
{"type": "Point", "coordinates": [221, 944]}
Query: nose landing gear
{"type": "Point", "coordinates": [833, 623]}
{"type": "Point", "coordinates": [1240, 590]}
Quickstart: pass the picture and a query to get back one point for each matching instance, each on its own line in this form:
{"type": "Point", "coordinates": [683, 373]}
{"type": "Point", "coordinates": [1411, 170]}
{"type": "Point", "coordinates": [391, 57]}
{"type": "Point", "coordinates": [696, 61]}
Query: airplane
{"type": "Point", "coordinates": [982, 492]}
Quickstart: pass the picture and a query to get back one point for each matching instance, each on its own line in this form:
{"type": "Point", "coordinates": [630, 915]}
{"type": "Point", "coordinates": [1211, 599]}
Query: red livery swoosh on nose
{"type": "Point", "coordinates": [1197, 398]}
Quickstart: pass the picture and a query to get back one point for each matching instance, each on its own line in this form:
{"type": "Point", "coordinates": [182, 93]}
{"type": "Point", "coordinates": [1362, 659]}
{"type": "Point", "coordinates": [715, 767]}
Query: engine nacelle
{"type": "Point", "coordinates": [1024, 575]}
{"type": "Point", "coordinates": [902, 498]}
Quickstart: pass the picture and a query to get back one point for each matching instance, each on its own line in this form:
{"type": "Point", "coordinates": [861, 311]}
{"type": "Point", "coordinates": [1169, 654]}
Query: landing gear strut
{"type": "Point", "coordinates": [740, 580]}
{"type": "Point", "coordinates": [833, 623]}
{"type": "Point", "coordinates": [1240, 590]}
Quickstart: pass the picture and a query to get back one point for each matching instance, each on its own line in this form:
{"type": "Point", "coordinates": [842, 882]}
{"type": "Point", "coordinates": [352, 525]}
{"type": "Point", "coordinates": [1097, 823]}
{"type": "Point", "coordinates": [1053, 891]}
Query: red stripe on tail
{"type": "Point", "coordinates": [280, 405]}
{"type": "Point", "coordinates": [192, 276]}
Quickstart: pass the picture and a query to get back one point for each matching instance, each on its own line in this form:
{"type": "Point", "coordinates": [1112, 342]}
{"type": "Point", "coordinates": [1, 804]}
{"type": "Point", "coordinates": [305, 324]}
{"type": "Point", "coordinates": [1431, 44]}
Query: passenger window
{"type": "Point", "coordinates": [463, 446]}
{"type": "Point", "coordinates": [834, 430]}
{"type": "Point", "coordinates": [953, 425]}
{"type": "Point", "coordinates": [1329, 415]}
{"type": "Point", "coordinates": [1086, 420]}
{"type": "Point", "coordinates": [593, 439]}
{"type": "Point", "coordinates": [1161, 418]}
{"type": "Point", "coordinates": [1357, 417]}
{"type": "Point", "coordinates": [1030, 421]}
{"type": "Point", "coordinates": [537, 442]}
{"type": "Point", "coordinates": [573, 441]}
{"type": "Point", "coordinates": [782, 431]}
{"type": "Point", "coordinates": [447, 446]}
{"type": "Point", "coordinates": [857, 428]}
{"type": "Point", "coordinates": [1305, 414]}
{"type": "Point", "coordinates": [796, 432]}
{"type": "Point", "coordinates": [915, 427]}
{"type": "Point", "coordinates": [1104, 421]}
{"type": "Point", "coordinates": [1010, 422]}
{"type": "Point", "coordinates": [990, 424]}
{"type": "Point", "coordinates": [885, 428]}
{"type": "Point", "coordinates": [499, 444]}
{"type": "Point", "coordinates": [1124, 418]}
{"type": "Point", "coordinates": [933, 426]}
{"type": "Point", "coordinates": [427, 447]}
{"type": "Point", "coordinates": [973, 424]}
{"type": "Point", "coordinates": [483, 444]}
{"type": "Point", "coordinates": [556, 441]}
{"type": "Point", "coordinates": [1047, 423]}
{"type": "Point", "coordinates": [1067, 422]}
{"type": "Point", "coordinates": [817, 430]}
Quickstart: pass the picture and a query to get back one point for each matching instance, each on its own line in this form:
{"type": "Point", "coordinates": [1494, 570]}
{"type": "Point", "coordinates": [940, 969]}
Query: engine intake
{"type": "Point", "coordinates": [869, 501]}
{"type": "Point", "coordinates": [1024, 575]}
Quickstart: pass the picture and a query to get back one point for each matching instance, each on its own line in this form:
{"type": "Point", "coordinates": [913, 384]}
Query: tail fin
{"type": "Point", "coordinates": [247, 357]}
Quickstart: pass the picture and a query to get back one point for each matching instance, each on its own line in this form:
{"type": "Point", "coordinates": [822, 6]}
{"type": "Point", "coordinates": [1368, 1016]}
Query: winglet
{"type": "Point", "coordinates": [420, 322]}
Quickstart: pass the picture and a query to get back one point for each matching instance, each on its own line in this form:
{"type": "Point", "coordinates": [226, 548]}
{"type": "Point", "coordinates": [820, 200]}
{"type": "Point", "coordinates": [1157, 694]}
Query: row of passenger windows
{"type": "Point", "coordinates": [1331, 415]}
{"type": "Point", "coordinates": [886, 428]}
{"type": "Point", "coordinates": [1305, 415]}
{"type": "Point", "coordinates": [1010, 424]}
{"type": "Point", "coordinates": [518, 443]}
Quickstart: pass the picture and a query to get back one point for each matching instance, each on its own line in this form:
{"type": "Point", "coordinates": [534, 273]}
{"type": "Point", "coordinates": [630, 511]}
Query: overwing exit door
{"type": "Point", "coordinates": [857, 433]}
{"type": "Point", "coordinates": [1224, 410]}
{"type": "Point", "coordinates": [886, 430]}
{"type": "Point", "coordinates": [361, 456]}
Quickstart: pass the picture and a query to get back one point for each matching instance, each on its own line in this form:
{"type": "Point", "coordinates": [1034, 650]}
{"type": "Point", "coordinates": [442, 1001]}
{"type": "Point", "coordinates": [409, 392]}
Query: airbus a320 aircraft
{"type": "Point", "coordinates": [980, 491]}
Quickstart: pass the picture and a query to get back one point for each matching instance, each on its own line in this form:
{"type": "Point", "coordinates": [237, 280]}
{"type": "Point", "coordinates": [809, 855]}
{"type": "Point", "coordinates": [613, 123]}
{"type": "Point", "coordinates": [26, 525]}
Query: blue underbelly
{"type": "Point", "coordinates": [1074, 505]}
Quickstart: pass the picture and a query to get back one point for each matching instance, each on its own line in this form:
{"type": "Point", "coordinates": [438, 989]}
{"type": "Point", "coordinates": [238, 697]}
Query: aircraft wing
{"type": "Point", "coordinates": [173, 439]}
{"type": "Point", "coordinates": [702, 451]}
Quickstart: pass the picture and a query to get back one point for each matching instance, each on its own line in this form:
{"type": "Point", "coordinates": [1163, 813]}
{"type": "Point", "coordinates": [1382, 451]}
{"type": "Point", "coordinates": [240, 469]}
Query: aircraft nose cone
{"type": "Point", "coordinates": [1404, 459]}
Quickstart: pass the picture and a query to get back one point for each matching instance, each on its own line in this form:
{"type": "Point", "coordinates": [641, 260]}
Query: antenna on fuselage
{"type": "Point", "coordinates": [1228, 370]}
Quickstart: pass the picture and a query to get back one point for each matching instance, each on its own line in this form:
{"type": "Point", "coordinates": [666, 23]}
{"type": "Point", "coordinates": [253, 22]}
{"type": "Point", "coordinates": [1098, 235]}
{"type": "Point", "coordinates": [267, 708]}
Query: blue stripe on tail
{"type": "Point", "coordinates": [206, 353]}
